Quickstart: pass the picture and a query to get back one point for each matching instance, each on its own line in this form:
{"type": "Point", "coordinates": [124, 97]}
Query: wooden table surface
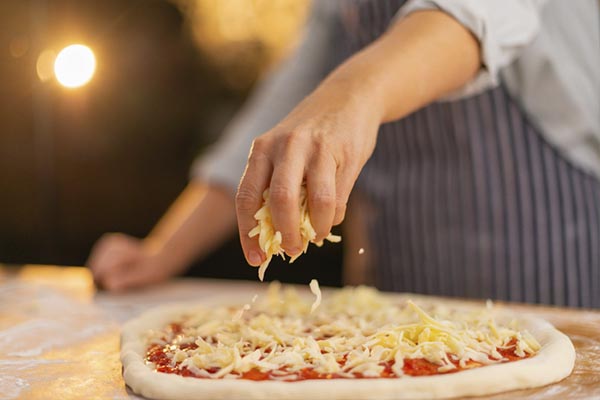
{"type": "Point", "coordinates": [59, 337]}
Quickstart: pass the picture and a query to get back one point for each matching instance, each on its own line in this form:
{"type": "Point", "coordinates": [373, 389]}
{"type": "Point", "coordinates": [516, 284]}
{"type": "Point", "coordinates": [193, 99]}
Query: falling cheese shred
{"type": "Point", "coordinates": [316, 290]}
{"type": "Point", "coordinates": [270, 240]}
{"type": "Point", "coordinates": [283, 335]}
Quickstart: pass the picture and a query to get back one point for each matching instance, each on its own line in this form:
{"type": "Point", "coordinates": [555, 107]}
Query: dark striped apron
{"type": "Point", "coordinates": [470, 200]}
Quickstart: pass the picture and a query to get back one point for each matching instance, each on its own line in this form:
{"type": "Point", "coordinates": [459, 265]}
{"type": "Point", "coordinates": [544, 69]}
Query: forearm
{"type": "Point", "coordinates": [420, 58]}
{"type": "Point", "coordinates": [200, 219]}
{"type": "Point", "coordinates": [326, 140]}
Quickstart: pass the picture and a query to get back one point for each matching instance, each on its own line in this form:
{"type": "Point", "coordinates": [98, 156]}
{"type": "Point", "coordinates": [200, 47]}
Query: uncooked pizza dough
{"type": "Point", "coordinates": [553, 362]}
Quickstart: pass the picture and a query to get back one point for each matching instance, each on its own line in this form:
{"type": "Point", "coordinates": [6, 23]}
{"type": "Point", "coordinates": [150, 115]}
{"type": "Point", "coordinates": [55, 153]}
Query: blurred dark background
{"type": "Point", "coordinates": [112, 155]}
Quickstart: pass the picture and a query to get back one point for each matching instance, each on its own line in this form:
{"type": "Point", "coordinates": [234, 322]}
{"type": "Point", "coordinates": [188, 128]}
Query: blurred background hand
{"type": "Point", "coordinates": [120, 262]}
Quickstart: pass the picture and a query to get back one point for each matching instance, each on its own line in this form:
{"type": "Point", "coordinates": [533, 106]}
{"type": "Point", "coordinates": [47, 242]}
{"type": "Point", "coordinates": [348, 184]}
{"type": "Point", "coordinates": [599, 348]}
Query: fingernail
{"type": "Point", "coordinates": [254, 258]}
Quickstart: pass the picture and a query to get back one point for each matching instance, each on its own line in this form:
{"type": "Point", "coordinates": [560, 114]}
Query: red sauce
{"type": "Point", "coordinates": [256, 375]}
{"type": "Point", "coordinates": [188, 346]}
{"type": "Point", "coordinates": [175, 328]}
{"type": "Point", "coordinates": [157, 354]}
{"type": "Point", "coordinates": [420, 367]}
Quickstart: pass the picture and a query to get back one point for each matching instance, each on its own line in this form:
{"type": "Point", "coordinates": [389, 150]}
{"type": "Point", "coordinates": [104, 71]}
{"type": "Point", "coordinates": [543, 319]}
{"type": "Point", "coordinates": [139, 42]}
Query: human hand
{"type": "Point", "coordinates": [324, 142]}
{"type": "Point", "coordinates": [119, 262]}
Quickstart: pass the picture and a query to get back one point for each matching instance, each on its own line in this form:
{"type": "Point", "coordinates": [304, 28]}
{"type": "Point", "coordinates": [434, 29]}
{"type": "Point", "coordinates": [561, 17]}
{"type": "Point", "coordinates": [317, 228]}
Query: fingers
{"type": "Point", "coordinates": [285, 202]}
{"type": "Point", "coordinates": [345, 179]}
{"type": "Point", "coordinates": [281, 161]}
{"type": "Point", "coordinates": [111, 255]}
{"type": "Point", "coordinates": [249, 199]}
{"type": "Point", "coordinates": [135, 275]}
{"type": "Point", "coordinates": [321, 188]}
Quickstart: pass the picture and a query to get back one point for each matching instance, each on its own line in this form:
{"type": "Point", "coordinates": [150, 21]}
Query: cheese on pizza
{"type": "Point", "coordinates": [270, 241]}
{"type": "Point", "coordinates": [354, 333]}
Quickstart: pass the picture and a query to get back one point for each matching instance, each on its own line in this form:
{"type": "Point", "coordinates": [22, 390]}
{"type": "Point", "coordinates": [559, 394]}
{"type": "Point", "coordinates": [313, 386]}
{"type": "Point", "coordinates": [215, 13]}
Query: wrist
{"type": "Point", "coordinates": [158, 250]}
{"type": "Point", "coordinates": [357, 88]}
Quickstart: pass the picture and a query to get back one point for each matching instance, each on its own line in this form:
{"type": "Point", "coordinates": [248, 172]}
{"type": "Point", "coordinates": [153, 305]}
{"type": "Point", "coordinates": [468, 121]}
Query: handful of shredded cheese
{"type": "Point", "coordinates": [270, 241]}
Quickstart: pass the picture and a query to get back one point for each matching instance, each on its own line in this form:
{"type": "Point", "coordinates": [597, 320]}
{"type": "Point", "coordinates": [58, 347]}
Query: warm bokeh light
{"type": "Point", "coordinates": [75, 66]}
{"type": "Point", "coordinates": [243, 38]}
{"type": "Point", "coordinates": [45, 65]}
{"type": "Point", "coordinates": [19, 46]}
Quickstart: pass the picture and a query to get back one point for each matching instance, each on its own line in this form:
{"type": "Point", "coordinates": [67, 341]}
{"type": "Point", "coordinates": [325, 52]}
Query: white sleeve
{"type": "Point", "coordinates": [271, 101]}
{"type": "Point", "coordinates": [503, 28]}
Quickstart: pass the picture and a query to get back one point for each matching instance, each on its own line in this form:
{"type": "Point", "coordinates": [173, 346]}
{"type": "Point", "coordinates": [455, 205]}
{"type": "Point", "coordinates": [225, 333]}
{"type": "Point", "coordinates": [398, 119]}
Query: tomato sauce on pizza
{"type": "Point", "coordinates": [159, 356]}
{"type": "Point", "coordinates": [356, 334]}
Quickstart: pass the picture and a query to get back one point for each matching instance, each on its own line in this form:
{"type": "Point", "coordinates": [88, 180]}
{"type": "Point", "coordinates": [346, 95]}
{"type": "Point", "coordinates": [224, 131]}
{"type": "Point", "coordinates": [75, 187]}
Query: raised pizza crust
{"type": "Point", "coordinates": [553, 362]}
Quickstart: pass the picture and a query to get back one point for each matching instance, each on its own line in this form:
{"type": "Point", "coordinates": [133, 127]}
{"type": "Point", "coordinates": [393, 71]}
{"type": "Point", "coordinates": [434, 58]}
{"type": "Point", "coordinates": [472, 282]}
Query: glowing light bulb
{"type": "Point", "coordinates": [74, 66]}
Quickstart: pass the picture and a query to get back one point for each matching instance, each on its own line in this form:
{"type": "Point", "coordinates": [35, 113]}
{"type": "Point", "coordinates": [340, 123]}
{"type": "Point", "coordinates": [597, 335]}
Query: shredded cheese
{"type": "Point", "coordinates": [240, 312]}
{"type": "Point", "coordinates": [316, 290]}
{"type": "Point", "coordinates": [283, 334]}
{"type": "Point", "coordinates": [269, 240]}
